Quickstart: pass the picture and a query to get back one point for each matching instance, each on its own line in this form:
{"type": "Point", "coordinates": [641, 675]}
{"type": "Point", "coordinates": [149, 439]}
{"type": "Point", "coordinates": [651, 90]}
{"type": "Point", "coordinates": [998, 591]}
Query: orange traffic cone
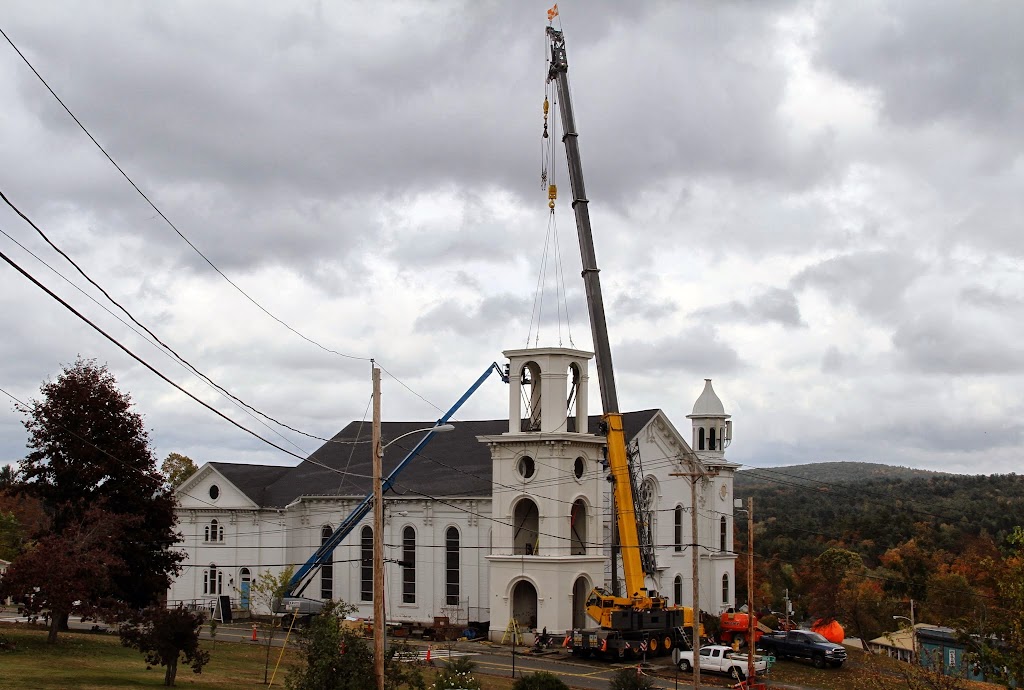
{"type": "Point", "coordinates": [428, 655]}
{"type": "Point", "coordinates": [254, 638]}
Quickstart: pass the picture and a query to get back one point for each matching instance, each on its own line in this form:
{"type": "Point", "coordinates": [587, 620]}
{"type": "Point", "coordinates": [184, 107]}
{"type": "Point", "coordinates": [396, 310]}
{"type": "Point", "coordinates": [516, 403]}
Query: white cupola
{"type": "Point", "coordinates": [712, 429]}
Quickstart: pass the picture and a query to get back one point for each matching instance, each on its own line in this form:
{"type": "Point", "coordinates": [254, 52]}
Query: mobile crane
{"type": "Point", "coordinates": [642, 621]}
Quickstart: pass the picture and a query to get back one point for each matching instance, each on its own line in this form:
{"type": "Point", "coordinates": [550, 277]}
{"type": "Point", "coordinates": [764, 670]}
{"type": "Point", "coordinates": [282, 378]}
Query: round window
{"type": "Point", "coordinates": [214, 492]}
{"type": "Point", "coordinates": [526, 467]}
{"type": "Point", "coordinates": [579, 467]}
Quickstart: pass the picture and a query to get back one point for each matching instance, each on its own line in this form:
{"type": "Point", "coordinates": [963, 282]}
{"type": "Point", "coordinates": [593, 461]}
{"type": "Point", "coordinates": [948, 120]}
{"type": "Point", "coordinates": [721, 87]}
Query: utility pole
{"type": "Point", "coordinates": [378, 538]}
{"type": "Point", "coordinates": [696, 473]}
{"type": "Point", "coordinates": [750, 590]}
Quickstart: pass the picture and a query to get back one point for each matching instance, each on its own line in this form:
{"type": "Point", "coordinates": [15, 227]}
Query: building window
{"type": "Point", "coordinates": [213, 580]}
{"type": "Point", "coordinates": [214, 492]}
{"type": "Point", "coordinates": [677, 590]}
{"type": "Point", "coordinates": [711, 439]}
{"type": "Point", "coordinates": [525, 467]}
{"type": "Point", "coordinates": [678, 529]}
{"type": "Point", "coordinates": [408, 566]}
{"type": "Point", "coordinates": [244, 587]}
{"type": "Point", "coordinates": [366, 567]}
{"type": "Point", "coordinates": [700, 438]}
{"type": "Point", "coordinates": [327, 569]}
{"type": "Point", "coordinates": [723, 535]}
{"type": "Point", "coordinates": [451, 567]}
{"type": "Point", "coordinates": [214, 531]}
{"type": "Point", "coordinates": [725, 588]}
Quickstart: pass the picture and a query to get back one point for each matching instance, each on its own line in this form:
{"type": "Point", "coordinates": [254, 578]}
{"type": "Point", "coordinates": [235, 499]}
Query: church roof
{"type": "Point", "coordinates": [452, 464]}
{"type": "Point", "coordinates": [708, 404]}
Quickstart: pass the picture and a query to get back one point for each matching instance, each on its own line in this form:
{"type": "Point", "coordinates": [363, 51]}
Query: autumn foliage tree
{"type": "Point", "coordinates": [165, 637]}
{"type": "Point", "coordinates": [177, 468]}
{"type": "Point", "coordinates": [89, 450]}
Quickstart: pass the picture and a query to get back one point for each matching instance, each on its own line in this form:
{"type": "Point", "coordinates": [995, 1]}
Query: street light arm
{"type": "Point", "coordinates": [436, 429]}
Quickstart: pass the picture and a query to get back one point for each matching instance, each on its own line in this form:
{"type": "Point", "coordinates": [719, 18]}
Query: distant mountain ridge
{"type": "Point", "coordinates": [826, 473]}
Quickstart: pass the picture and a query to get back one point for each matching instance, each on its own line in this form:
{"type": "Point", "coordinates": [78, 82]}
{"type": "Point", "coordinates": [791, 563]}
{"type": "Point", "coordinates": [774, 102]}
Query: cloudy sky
{"type": "Point", "coordinates": [815, 204]}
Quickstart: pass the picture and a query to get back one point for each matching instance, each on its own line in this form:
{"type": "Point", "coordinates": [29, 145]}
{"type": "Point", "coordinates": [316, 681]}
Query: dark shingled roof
{"type": "Point", "coordinates": [452, 464]}
{"type": "Point", "coordinates": [252, 480]}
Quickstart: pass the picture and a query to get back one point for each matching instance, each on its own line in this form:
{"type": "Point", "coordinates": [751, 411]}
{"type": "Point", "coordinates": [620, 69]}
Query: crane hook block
{"type": "Point", "coordinates": [552, 192]}
{"type": "Point", "coordinates": [545, 106]}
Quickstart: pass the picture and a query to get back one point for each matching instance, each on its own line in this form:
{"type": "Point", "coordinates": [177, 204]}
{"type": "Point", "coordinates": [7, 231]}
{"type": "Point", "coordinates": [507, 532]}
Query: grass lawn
{"type": "Point", "coordinates": [86, 660]}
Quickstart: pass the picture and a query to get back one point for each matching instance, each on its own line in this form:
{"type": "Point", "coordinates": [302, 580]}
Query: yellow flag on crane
{"type": "Point", "coordinates": [553, 12]}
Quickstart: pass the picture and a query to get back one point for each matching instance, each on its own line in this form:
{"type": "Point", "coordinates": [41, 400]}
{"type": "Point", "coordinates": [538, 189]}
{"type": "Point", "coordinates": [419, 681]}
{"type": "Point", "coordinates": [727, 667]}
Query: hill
{"type": "Point", "coordinates": [827, 472]}
{"type": "Point", "coordinates": [802, 510]}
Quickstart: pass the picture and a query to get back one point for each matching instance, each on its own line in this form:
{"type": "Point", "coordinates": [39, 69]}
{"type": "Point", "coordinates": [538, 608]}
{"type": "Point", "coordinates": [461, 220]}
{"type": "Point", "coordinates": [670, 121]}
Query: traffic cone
{"type": "Point", "coordinates": [254, 638]}
{"type": "Point", "coordinates": [428, 655]}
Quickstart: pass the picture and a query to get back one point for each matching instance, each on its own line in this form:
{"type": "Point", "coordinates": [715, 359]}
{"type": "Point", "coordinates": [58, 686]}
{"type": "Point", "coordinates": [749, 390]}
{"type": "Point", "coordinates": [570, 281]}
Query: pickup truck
{"type": "Point", "coordinates": [804, 644]}
{"type": "Point", "coordinates": [720, 659]}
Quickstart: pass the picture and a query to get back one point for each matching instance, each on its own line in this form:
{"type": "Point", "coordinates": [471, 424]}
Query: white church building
{"type": "Point", "coordinates": [497, 520]}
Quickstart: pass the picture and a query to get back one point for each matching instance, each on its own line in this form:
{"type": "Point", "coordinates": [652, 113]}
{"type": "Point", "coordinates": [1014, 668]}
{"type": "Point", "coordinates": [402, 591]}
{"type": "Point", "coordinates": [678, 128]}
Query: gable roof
{"type": "Point", "coordinates": [251, 480]}
{"type": "Point", "coordinates": [452, 464]}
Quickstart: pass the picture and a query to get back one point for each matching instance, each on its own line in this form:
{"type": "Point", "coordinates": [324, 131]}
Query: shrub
{"type": "Point", "coordinates": [630, 679]}
{"type": "Point", "coordinates": [541, 680]}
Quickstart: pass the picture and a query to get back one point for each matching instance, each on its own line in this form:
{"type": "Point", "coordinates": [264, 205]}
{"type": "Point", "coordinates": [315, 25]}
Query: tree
{"type": "Point", "coordinates": [165, 637]}
{"type": "Point", "coordinates": [331, 657]}
{"type": "Point", "coordinates": [830, 582]}
{"type": "Point", "coordinates": [88, 448]}
{"type": "Point", "coordinates": [1001, 650]}
{"type": "Point", "coordinates": [177, 468]}
{"type": "Point", "coordinates": [62, 572]}
{"type": "Point", "coordinates": [264, 593]}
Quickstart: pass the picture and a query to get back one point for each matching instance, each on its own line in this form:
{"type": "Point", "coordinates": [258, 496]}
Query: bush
{"type": "Point", "coordinates": [457, 674]}
{"type": "Point", "coordinates": [541, 680]}
{"type": "Point", "coordinates": [630, 679]}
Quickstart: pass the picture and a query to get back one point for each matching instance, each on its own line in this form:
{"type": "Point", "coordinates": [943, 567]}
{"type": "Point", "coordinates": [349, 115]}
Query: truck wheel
{"type": "Point", "coordinates": [736, 673]}
{"type": "Point", "coordinates": [819, 661]}
{"type": "Point", "coordinates": [621, 652]}
{"type": "Point", "coordinates": [684, 665]}
{"type": "Point", "coordinates": [667, 643]}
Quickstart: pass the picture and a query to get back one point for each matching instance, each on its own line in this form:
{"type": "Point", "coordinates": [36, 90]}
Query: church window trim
{"type": "Point", "coordinates": [327, 569]}
{"type": "Point", "coordinates": [214, 532]}
{"type": "Point", "coordinates": [452, 566]}
{"type": "Point", "coordinates": [677, 529]}
{"type": "Point", "coordinates": [579, 515]}
{"type": "Point", "coordinates": [677, 590]}
{"type": "Point", "coordinates": [723, 535]}
{"type": "Point", "coordinates": [725, 588]}
{"type": "Point", "coordinates": [408, 565]}
{"type": "Point", "coordinates": [213, 580]}
{"type": "Point", "coordinates": [366, 564]}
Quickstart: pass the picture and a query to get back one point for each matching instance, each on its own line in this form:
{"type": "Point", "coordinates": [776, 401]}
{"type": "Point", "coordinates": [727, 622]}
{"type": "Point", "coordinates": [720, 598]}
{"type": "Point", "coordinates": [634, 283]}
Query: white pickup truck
{"type": "Point", "coordinates": [720, 659]}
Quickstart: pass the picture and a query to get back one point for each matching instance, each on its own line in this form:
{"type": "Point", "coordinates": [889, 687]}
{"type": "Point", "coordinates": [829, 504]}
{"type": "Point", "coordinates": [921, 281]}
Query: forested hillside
{"type": "Point", "coordinates": [860, 541]}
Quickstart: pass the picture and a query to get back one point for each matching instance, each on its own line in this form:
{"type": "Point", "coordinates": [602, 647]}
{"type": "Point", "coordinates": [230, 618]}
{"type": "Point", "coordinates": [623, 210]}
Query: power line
{"type": "Point", "coordinates": [140, 360]}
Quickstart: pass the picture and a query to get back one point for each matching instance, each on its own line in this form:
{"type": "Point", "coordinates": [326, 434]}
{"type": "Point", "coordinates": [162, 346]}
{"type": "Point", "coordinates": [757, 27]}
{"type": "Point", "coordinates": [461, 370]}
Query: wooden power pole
{"type": "Point", "coordinates": [696, 473]}
{"type": "Point", "coordinates": [378, 538]}
{"type": "Point", "coordinates": [750, 590]}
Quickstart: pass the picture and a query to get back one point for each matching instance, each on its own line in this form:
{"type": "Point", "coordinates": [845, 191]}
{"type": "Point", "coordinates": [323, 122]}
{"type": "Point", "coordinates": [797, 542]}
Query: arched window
{"type": "Point", "coordinates": [366, 564]}
{"type": "Point", "coordinates": [678, 529]}
{"type": "Point", "coordinates": [214, 531]}
{"type": "Point", "coordinates": [244, 585]}
{"type": "Point", "coordinates": [578, 528]}
{"type": "Point", "coordinates": [327, 569]}
{"type": "Point", "coordinates": [408, 566]}
{"type": "Point", "coordinates": [700, 438]}
{"type": "Point", "coordinates": [525, 522]}
{"type": "Point", "coordinates": [451, 567]}
{"type": "Point", "coordinates": [677, 590]}
{"type": "Point", "coordinates": [723, 534]}
{"type": "Point", "coordinates": [213, 580]}
{"type": "Point", "coordinates": [711, 439]}
{"type": "Point", "coordinates": [725, 588]}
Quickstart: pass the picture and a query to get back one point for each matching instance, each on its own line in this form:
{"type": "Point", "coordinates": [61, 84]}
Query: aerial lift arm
{"type": "Point", "coordinates": [304, 575]}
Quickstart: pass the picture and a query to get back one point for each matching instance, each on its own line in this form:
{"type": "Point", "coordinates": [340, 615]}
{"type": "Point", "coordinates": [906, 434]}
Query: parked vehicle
{"type": "Point", "coordinates": [720, 659]}
{"type": "Point", "coordinates": [804, 644]}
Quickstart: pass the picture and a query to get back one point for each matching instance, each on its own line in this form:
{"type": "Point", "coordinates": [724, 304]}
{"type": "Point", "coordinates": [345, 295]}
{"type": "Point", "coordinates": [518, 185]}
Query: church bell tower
{"type": "Point", "coordinates": [547, 476]}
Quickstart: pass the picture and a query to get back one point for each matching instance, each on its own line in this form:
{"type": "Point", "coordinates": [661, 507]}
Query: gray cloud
{"type": "Point", "coordinates": [872, 281]}
{"type": "Point", "coordinates": [773, 305]}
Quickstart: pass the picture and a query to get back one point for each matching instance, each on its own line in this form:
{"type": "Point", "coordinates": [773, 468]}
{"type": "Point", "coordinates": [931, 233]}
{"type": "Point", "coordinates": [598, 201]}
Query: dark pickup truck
{"type": "Point", "coordinates": [804, 644]}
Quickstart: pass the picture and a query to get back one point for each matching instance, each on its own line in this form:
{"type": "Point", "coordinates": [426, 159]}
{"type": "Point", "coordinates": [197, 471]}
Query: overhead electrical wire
{"type": "Point", "coordinates": [141, 361]}
{"type": "Point", "coordinates": [174, 227]}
